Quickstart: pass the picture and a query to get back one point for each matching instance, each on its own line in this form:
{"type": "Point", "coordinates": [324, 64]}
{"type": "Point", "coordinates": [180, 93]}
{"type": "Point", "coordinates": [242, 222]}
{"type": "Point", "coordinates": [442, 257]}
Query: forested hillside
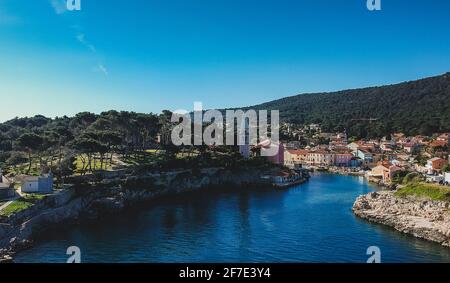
{"type": "Point", "coordinates": [415, 107]}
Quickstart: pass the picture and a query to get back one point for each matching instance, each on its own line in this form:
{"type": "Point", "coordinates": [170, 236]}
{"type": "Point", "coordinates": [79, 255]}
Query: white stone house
{"type": "Point", "coordinates": [37, 184]}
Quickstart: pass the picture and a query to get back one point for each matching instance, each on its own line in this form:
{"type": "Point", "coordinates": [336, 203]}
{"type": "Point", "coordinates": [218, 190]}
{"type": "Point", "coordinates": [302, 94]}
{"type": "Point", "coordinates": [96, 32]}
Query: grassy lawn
{"type": "Point", "coordinates": [23, 168]}
{"type": "Point", "coordinates": [430, 191]}
{"type": "Point", "coordinates": [182, 155]}
{"type": "Point", "coordinates": [95, 164]}
{"type": "Point", "coordinates": [21, 204]}
{"type": "Point", "coordinates": [147, 157]}
{"type": "Point", "coordinates": [155, 151]}
{"type": "Point", "coordinates": [16, 206]}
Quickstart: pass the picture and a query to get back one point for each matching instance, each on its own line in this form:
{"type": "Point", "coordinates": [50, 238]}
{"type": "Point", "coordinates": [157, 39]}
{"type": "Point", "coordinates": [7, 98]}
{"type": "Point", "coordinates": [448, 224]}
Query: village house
{"type": "Point", "coordinates": [402, 160]}
{"type": "Point", "coordinates": [42, 184]}
{"type": "Point", "coordinates": [387, 147]}
{"type": "Point", "coordinates": [410, 147]}
{"type": "Point", "coordinates": [314, 127]}
{"type": "Point", "coordinates": [354, 146]}
{"type": "Point", "coordinates": [421, 140]}
{"type": "Point", "coordinates": [292, 145]}
{"type": "Point", "coordinates": [320, 158]}
{"type": "Point", "coordinates": [385, 140]}
{"type": "Point", "coordinates": [365, 156]}
{"type": "Point", "coordinates": [328, 136]}
{"type": "Point", "coordinates": [444, 137]}
{"type": "Point", "coordinates": [377, 157]}
{"type": "Point", "coordinates": [294, 158]}
{"type": "Point", "coordinates": [435, 164]}
{"type": "Point", "coordinates": [338, 146]}
{"type": "Point", "coordinates": [383, 172]}
{"type": "Point", "coordinates": [6, 187]}
{"type": "Point", "coordinates": [438, 143]}
{"type": "Point", "coordinates": [369, 146]}
{"type": "Point", "coordinates": [355, 162]}
{"type": "Point", "coordinates": [401, 142]}
{"type": "Point", "coordinates": [343, 159]}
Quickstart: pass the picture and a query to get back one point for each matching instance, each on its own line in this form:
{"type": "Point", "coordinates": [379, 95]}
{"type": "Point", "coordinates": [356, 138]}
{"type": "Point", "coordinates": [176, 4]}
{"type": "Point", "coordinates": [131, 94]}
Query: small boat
{"type": "Point", "coordinates": [288, 184]}
{"type": "Point", "coordinates": [285, 180]}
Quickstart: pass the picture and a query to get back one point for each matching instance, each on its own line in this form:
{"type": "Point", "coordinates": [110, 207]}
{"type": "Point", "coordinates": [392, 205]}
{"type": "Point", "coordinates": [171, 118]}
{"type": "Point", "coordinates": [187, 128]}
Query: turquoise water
{"type": "Point", "coordinates": [309, 223]}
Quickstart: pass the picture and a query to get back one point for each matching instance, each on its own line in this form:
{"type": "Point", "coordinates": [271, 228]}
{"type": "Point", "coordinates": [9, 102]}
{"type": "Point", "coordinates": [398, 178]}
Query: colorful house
{"type": "Point", "coordinates": [355, 162]}
{"type": "Point", "coordinates": [410, 147]}
{"type": "Point", "coordinates": [343, 159]}
{"type": "Point", "coordinates": [444, 137]}
{"type": "Point", "coordinates": [365, 156]}
{"type": "Point", "coordinates": [383, 172]}
{"type": "Point", "coordinates": [293, 158]}
{"type": "Point", "coordinates": [438, 143]}
{"type": "Point", "coordinates": [320, 158]}
{"type": "Point", "coordinates": [435, 164]}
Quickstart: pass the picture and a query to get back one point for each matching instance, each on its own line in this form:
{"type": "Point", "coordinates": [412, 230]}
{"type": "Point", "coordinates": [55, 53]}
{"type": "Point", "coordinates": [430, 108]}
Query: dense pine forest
{"type": "Point", "coordinates": [91, 142]}
{"type": "Point", "coordinates": [415, 107]}
{"type": "Point", "coordinates": [61, 140]}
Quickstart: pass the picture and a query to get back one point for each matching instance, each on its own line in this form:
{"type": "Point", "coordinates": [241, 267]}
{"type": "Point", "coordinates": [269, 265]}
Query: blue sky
{"type": "Point", "coordinates": [146, 55]}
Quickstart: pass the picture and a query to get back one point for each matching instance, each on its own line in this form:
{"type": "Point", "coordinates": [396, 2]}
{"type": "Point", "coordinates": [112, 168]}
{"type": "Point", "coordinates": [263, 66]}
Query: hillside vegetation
{"type": "Point", "coordinates": [415, 107]}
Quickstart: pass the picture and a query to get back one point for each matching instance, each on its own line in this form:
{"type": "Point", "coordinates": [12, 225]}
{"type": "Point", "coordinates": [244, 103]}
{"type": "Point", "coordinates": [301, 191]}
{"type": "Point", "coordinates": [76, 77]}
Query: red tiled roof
{"type": "Point", "coordinates": [438, 143]}
{"type": "Point", "coordinates": [298, 151]}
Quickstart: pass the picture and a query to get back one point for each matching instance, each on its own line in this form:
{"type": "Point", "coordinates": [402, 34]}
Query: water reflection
{"type": "Point", "coordinates": [310, 223]}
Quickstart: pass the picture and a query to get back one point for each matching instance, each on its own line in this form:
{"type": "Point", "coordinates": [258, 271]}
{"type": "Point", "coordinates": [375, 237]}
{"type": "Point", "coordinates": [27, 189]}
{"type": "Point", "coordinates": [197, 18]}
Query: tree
{"type": "Point", "coordinates": [67, 167]}
{"type": "Point", "coordinates": [31, 143]}
{"type": "Point", "coordinates": [447, 168]}
{"type": "Point", "coordinates": [87, 147]}
{"type": "Point", "coordinates": [112, 140]}
{"type": "Point", "coordinates": [16, 158]}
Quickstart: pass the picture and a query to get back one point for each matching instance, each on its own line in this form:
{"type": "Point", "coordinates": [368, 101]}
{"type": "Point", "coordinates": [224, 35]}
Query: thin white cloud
{"type": "Point", "coordinates": [100, 68]}
{"type": "Point", "coordinates": [59, 6]}
{"type": "Point", "coordinates": [82, 39]}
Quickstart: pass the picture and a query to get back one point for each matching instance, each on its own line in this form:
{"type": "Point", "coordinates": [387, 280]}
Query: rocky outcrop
{"type": "Point", "coordinates": [421, 218]}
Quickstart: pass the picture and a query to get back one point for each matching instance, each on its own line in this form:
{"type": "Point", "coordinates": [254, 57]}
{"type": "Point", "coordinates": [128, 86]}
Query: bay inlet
{"type": "Point", "coordinates": [312, 222]}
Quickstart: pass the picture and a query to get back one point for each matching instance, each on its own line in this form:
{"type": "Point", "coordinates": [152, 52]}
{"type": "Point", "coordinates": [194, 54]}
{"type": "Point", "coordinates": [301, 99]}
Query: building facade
{"type": "Point", "coordinates": [37, 184]}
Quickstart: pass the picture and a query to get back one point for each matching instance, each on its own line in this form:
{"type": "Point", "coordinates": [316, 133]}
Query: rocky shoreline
{"type": "Point", "coordinates": [91, 201]}
{"type": "Point", "coordinates": [426, 219]}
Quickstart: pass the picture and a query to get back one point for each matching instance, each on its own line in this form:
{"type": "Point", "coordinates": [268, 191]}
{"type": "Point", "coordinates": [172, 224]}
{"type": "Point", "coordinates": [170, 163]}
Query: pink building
{"type": "Point", "coordinates": [343, 159]}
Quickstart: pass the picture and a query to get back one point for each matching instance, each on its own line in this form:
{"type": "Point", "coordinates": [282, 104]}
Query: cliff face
{"type": "Point", "coordinates": [111, 196]}
{"type": "Point", "coordinates": [421, 218]}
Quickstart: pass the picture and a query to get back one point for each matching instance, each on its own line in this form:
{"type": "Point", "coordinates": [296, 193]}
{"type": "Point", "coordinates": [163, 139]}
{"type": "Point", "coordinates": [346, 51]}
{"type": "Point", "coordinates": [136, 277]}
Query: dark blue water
{"type": "Point", "coordinates": [310, 223]}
